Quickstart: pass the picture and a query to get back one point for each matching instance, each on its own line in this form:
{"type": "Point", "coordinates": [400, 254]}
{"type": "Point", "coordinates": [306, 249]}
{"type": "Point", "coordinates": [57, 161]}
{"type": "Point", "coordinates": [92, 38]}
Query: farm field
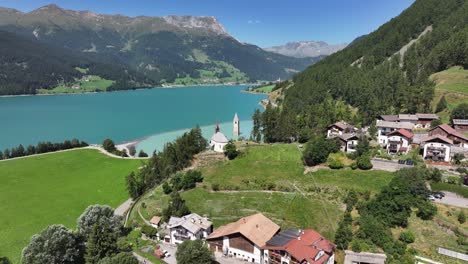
{"type": "Point", "coordinates": [92, 83]}
{"type": "Point", "coordinates": [55, 189]}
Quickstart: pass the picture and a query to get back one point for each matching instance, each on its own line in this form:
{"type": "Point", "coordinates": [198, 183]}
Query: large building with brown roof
{"type": "Point", "coordinates": [245, 238]}
{"type": "Point", "coordinates": [447, 131]}
{"type": "Point", "coordinates": [299, 246]}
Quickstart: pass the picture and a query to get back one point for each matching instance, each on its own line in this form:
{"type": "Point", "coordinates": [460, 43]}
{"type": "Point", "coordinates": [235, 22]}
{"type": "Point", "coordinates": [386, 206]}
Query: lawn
{"type": "Point", "coordinates": [281, 164]}
{"type": "Point", "coordinates": [294, 199]}
{"type": "Point", "coordinates": [55, 189]}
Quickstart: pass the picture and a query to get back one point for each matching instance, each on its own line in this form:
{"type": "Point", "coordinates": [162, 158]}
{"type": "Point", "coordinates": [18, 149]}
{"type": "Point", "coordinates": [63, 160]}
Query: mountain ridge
{"type": "Point", "coordinates": [304, 49]}
{"type": "Point", "coordinates": [164, 50]}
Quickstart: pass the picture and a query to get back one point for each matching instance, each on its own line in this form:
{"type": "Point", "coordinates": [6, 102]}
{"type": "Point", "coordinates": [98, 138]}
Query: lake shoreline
{"type": "Point", "coordinates": [135, 89]}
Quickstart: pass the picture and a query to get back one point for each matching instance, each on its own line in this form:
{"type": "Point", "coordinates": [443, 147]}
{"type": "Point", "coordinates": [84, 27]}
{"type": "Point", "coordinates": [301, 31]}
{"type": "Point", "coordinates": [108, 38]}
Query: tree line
{"type": "Point", "coordinates": [41, 147]}
{"type": "Point", "coordinates": [175, 156]}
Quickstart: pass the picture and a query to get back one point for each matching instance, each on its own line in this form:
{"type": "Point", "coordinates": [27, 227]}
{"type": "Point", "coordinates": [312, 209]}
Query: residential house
{"type": "Point", "coordinates": [339, 128]}
{"type": "Point", "coordinates": [447, 131]}
{"type": "Point", "coordinates": [364, 258]}
{"type": "Point", "coordinates": [389, 118]}
{"type": "Point", "coordinates": [348, 142]}
{"type": "Point", "coordinates": [417, 120]}
{"type": "Point", "coordinates": [245, 238]}
{"type": "Point", "coordinates": [155, 221]}
{"type": "Point", "coordinates": [460, 124]}
{"type": "Point", "coordinates": [386, 127]}
{"type": "Point", "coordinates": [399, 141]}
{"type": "Point", "coordinates": [413, 119]}
{"type": "Point", "coordinates": [425, 120]}
{"type": "Point", "coordinates": [437, 148]}
{"type": "Point", "coordinates": [189, 227]}
{"type": "Point", "coordinates": [299, 246]}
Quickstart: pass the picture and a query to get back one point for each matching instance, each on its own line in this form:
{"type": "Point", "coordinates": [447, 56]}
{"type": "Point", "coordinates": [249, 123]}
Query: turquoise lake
{"type": "Point", "coordinates": [156, 115]}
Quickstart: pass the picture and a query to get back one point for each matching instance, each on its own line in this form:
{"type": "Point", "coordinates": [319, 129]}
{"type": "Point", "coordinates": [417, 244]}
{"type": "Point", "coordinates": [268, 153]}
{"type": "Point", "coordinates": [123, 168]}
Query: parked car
{"type": "Point", "coordinates": [437, 195]}
{"type": "Point", "coordinates": [431, 198]}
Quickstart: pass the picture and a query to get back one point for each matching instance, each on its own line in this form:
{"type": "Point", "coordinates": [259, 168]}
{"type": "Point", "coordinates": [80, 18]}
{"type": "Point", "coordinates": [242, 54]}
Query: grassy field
{"type": "Point", "coordinates": [281, 164]}
{"type": "Point", "coordinates": [265, 89]}
{"type": "Point", "coordinates": [55, 189]}
{"type": "Point", "coordinates": [91, 83]}
{"type": "Point", "coordinates": [453, 84]}
{"type": "Point", "coordinates": [294, 199]}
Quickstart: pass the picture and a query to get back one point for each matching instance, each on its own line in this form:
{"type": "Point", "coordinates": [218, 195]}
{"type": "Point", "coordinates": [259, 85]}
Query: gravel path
{"type": "Point", "coordinates": [123, 208]}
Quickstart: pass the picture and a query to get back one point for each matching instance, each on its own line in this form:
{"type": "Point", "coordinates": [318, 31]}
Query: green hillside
{"type": "Point", "coordinates": [137, 51]}
{"type": "Point", "coordinates": [453, 85]}
{"type": "Point", "coordinates": [388, 70]}
{"type": "Point", "coordinates": [55, 189]}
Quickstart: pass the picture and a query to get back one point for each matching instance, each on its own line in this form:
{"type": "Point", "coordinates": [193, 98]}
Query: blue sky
{"type": "Point", "coordinates": [261, 22]}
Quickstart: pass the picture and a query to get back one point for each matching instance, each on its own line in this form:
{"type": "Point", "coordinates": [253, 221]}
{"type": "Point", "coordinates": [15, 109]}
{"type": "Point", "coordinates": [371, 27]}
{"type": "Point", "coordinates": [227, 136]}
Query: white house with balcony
{"type": "Point", "coordinates": [399, 141]}
{"type": "Point", "coordinates": [386, 127]}
{"type": "Point", "coordinates": [189, 227]}
{"type": "Point", "coordinates": [437, 148]}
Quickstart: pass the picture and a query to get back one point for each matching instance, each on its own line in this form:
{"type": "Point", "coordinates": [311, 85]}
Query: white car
{"type": "Point", "coordinates": [431, 198]}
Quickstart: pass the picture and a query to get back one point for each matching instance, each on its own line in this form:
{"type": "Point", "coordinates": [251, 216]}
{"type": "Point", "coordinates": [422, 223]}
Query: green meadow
{"type": "Point", "coordinates": [55, 189]}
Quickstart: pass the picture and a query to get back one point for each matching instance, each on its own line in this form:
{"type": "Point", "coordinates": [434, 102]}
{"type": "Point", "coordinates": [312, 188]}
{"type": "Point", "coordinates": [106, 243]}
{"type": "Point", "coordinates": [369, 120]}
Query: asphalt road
{"type": "Point", "coordinates": [453, 199]}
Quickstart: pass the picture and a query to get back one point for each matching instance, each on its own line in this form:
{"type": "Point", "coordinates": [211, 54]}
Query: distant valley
{"type": "Point", "coordinates": [126, 52]}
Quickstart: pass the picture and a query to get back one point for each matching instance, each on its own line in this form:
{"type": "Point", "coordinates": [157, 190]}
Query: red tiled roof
{"type": "Point", "coordinates": [451, 131]}
{"type": "Point", "coordinates": [307, 246]}
{"type": "Point", "coordinates": [403, 132]}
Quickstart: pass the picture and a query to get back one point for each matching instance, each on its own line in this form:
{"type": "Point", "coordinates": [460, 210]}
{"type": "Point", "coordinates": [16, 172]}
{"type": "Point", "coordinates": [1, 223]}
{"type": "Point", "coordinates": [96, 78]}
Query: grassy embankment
{"type": "Point", "coordinates": [270, 179]}
{"type": "Point", "coordinates": [88, 84]}
{"type": "Point", "coordinates": [453, 84]}
{"type": "Point", "coordinates": [55, 189]}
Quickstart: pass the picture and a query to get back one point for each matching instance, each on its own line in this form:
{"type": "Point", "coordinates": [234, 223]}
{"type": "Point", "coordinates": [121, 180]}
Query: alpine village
{"type": "Point", "coordinates": [358, 155]}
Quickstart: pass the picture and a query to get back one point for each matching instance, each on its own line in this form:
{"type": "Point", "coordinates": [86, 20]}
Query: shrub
{"type": "Point", "coordinates": [215, 187]}
{"type": "Point", "coordinates": [334, 163]}
{"type": "Point", "coordinates": [142, 154]}
{"type": "Point", "coordinates": [166, 188]}
{"type": "Point", "coordinates": [354, 165]}
{"type": "Point", "coordinates": [364, 162]}
{"type": "Point", "coordinates": [318, 149]}
{"type": "Point", "coordinates": [454, 180]}
{"type": "Point", "coordinates": [108, 145]}
{"type": "Point", "coordinates": [426, 211]}
{"type": "Point", "coordinates": [149, 231]}
{"type": "Point", "coordinates": [407, 237]}
{"type": "Point", "coordinates": [230, 151]}
{"type": "Point", "coordinates": [461, 217]}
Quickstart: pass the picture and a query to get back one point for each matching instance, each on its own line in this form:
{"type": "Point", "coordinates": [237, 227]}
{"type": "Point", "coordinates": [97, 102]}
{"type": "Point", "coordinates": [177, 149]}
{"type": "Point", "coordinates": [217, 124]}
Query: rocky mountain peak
{"type": "Point", "coordinates": [303, 49]}
{"type": "Point", "coordinates": [191, 22]}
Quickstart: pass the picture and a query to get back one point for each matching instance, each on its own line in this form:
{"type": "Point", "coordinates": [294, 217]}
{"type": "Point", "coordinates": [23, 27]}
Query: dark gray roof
{"type": "Point", "coordinates": [283, 237]}
{"type": "Point", "coordinates": [460, 122]}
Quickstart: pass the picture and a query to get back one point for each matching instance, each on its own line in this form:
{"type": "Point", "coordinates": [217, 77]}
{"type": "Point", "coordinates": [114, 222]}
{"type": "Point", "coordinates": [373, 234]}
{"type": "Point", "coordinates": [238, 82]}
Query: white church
{"type": "Point", "coordinates": [219, 140]}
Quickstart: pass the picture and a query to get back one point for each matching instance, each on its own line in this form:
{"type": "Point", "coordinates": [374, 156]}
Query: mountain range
{"type": "Point", "coordinates": [133, 51]}
{"type": "Point", "coordinates": [305, 49]}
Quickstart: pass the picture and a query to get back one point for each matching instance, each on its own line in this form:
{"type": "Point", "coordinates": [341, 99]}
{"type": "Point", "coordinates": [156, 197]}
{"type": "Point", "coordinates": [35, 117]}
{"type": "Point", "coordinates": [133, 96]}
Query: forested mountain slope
{"type": "Point", "coordinates": [370, 74]}
{"type": "Point", "coordinates": [27, 65]}
{"type": "Point", "coordinates": [163, 49]}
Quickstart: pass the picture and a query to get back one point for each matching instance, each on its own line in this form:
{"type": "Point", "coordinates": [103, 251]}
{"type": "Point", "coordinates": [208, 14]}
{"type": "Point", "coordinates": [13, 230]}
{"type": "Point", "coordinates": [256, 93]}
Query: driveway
{"type": "Point", "coordinates": [225, 260]}
{"type": "Point", "coordinates": [453, 199]}
{"type": "Point", "coordinates": [171, 249]}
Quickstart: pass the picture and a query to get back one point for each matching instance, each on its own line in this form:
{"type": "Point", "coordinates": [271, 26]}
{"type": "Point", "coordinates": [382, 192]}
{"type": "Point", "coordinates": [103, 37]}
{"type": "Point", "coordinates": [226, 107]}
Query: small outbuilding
{"type": "Point", "coordinates": [155, 221]}
{"type": "Point", "coordinates": [364, 258]}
